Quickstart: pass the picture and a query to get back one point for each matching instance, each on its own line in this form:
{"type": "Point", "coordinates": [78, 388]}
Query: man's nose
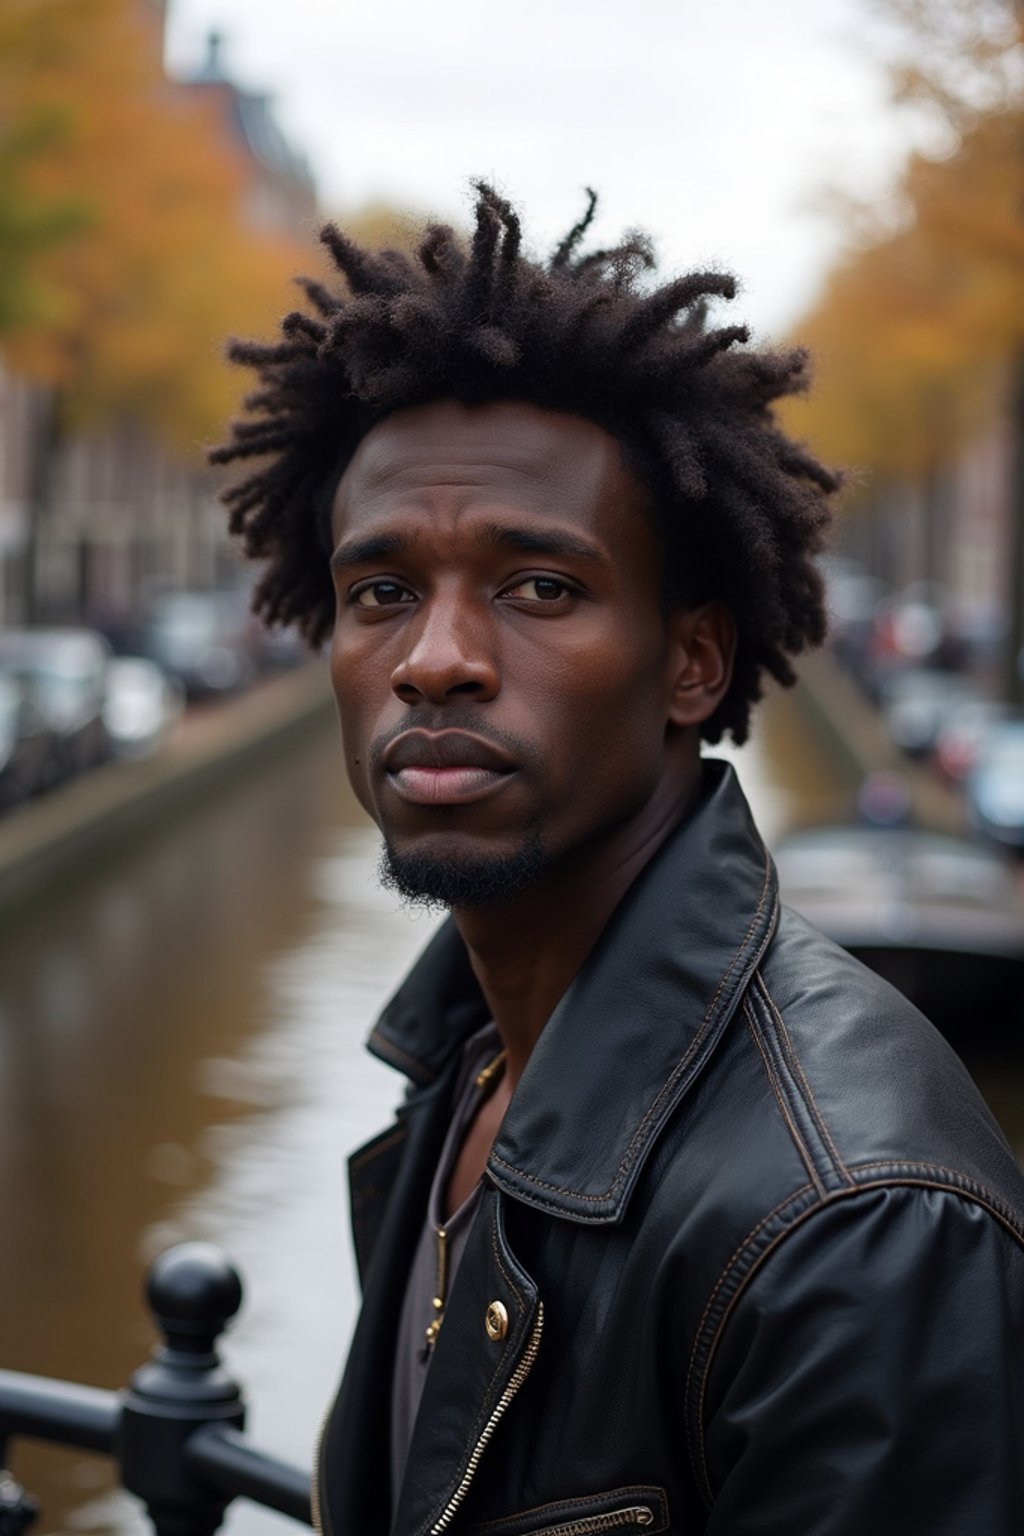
{"type": "Point", "coordinates": [450, 652]}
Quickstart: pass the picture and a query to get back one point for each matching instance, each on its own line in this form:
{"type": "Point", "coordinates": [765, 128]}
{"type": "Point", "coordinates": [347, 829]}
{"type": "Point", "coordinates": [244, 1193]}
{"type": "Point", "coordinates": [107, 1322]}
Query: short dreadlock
{"type": "Point", "coordinates": [740, 507]}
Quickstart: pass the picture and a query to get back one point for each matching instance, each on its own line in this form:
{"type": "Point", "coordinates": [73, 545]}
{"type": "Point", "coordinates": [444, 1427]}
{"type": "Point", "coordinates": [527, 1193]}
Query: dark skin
{"type": "Point", "coordinates": [501, 661]}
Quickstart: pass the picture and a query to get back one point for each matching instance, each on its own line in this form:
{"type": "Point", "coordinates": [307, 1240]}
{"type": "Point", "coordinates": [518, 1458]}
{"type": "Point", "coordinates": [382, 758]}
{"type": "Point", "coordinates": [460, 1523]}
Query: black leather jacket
{"type": "Point", "coordinates": [759, 1245]}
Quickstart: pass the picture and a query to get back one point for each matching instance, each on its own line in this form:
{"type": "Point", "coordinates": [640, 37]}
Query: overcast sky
{"type": "Point", "coordinates": [714, 124]}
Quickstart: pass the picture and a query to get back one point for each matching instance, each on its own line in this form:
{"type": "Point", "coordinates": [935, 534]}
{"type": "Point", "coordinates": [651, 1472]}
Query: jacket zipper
{"type": "Point", "coordinates": [636, 1514]}
{"type": "Point", "coordinates": [314, 1482]}
{"type": "Point", "coordinates": [519, 1375]}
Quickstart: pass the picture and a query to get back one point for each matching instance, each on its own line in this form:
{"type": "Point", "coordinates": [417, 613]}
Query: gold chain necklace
{"type": "Point", "coordinates": [486, 1081]}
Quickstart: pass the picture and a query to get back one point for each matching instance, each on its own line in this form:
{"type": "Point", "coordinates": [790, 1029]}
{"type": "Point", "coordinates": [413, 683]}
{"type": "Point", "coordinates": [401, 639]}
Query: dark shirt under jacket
{"type": "Point", "coordinates": [429, 1275]}
{"type": "Point", "coordinates": [758, 1245]}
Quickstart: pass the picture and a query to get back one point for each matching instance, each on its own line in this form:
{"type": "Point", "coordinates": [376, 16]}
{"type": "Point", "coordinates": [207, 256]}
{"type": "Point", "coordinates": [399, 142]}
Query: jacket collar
{"type": "Point", "coordinates": [634, 1029]}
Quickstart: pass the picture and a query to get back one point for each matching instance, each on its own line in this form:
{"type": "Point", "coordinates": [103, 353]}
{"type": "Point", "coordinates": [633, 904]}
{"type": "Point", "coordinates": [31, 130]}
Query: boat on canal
{"type": "Point", "coordinates": [940, 917]}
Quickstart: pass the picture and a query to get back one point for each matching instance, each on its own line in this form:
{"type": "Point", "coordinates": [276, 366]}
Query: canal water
{"type": "Point", "coordinates": [181, 1056]}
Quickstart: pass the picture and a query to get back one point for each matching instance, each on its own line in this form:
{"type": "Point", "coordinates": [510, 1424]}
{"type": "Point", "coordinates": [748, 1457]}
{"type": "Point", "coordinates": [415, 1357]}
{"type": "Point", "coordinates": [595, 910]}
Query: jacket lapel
{"type": "Point", "coordinates": [643, 1015]}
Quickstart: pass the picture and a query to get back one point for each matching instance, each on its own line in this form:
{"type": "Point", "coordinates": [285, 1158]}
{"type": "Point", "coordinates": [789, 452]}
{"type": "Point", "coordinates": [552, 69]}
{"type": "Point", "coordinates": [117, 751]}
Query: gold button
{"type": "Point", "coordinates": [496, 1320]}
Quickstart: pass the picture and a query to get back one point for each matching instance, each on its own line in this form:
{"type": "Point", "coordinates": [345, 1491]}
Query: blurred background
{"type": "Point", "coordinates": [192, 941]}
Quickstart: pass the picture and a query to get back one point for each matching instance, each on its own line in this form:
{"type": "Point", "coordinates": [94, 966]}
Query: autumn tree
{"type": "Point", "coordinates": [160, 266]}
{"type": "Point", "coordinates": [963, 58]}
{"type": "Point", "coordinates": [31, 129]}
{"type": "Point", "coordinates": [122, 233]}
{"type": "Point", "coordinates": [919, 332]}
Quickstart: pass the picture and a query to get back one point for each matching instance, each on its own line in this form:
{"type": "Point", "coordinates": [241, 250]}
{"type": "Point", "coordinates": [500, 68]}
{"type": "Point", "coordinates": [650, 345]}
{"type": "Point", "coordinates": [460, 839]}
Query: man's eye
{"type": "Point", "coordinates": [544, 589]}
{"type": "Point", "coordinates": [381, 594]}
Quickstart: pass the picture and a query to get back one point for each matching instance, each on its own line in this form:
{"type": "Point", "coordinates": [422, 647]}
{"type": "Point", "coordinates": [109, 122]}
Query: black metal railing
{"type": "Point", "coordinates": [176, 1430]}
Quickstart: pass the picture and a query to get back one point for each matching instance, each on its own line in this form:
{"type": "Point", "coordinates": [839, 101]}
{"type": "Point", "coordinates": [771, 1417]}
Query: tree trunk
{"type": "Point", "coordinates": [1014, 668]}
{"type": "Point", "coordinates": [44, 435]}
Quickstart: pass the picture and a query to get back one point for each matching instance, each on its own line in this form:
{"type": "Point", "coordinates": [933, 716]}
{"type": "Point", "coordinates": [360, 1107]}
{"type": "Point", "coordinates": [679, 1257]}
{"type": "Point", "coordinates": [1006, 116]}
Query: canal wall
{"type": "Point", "coordinates": [854, 736]}
{"type": "Point", "coordinates": [62, 835]}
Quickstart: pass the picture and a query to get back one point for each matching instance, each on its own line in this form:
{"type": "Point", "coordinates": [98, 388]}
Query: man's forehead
{"type": "Point", "coordinates": [537, 457]}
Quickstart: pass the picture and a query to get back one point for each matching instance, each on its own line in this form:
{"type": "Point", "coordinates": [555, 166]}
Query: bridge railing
{"type": "Point", "coordinates": [176, 1430]}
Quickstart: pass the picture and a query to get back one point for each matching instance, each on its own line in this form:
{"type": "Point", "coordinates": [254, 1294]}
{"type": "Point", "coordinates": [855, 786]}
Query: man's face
{"type": "Point", "coordinates": [501, 662]}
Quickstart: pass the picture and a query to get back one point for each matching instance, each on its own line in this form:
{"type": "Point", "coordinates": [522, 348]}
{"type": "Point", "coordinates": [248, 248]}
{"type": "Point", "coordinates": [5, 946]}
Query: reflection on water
{"type": "Point", "coordinates": [181, 1056]}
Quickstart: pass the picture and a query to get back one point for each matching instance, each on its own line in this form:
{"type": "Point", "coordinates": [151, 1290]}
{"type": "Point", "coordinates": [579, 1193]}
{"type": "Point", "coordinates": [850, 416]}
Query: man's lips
{"type": "Point", "coordinates": [444, 767]}
{"type": "Point", "coordinates": [445, 786]}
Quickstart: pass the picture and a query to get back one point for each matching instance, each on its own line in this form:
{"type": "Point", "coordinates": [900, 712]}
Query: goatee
{"type": "Point", "coordinates": [437, 883]}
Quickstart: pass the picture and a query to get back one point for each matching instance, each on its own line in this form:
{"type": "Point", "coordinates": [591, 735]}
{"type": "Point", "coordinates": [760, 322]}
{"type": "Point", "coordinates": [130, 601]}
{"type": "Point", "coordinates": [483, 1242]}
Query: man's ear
{"type": "Point", "coordinates": [703, 652]}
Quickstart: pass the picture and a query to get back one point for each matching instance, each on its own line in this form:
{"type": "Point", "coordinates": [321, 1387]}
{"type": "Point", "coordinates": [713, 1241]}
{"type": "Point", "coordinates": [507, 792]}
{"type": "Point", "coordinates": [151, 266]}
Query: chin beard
{"type": "Point", "coordinates": [438, 883]}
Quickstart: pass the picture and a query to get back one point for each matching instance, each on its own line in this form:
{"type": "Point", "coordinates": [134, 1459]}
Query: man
{"type": "Point", "coordinates": [687, 1222]}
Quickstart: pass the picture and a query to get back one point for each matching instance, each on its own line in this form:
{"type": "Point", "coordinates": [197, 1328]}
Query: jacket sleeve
{"type": "Point", "coordinates": [869, 1380]}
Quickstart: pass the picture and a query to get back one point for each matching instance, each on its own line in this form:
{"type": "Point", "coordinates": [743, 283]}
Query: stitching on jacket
{"type": "Point", "coordinates": [564, 1506]}
{"type": "Point", "coordinates": [695, 1433]}
{"type": "Point", "coordinates": [362, 1201]}
{"type": "Point", "coordinates": [639, 1135]}
{"type": "Point", "coordinates": [975, 1196]}
{"type": "Point", "coordinates": [961, 1187]}
{"type": "Point", "coordinates": [794, 1084]}
{"type": "Point", "coordinates": [812, 1103]}
{"type": "Point", "coordinates": [545, 1204]}
{"type": "Point", "coordinates": [747, 936]}
{"type": "Point", "coordinates": [369, 1153]}
{"type": "Point", "coordinates": [420, 1069]}
{"type": "Point", "coordinates": [962, 1182]}
{"type": "Point", "coordinates": [791, 1199]}
{"type": "Point", "coordinates": [517, 1293]}
{"type": "Point", "coordinates": [794, 1131]}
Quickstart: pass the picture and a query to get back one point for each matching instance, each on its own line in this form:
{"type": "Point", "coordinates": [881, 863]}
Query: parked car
{"type": "Point", "coordinates": [913, 627]}
{"type": "Point", "coordinates": [940, 917]}
{"type": "Point", "coordinates": [278, 650]}
{"type": "Point", "coordinates": [995, 786]}
{"type": "Point", "coordinates": [140, 705]}
{"type": "Point", "coordinates": [918, 701]}
{"type": "Point", "coordinates": [853, 597]}
{"type": "Point", "coordinates": [963, 734]}
{"type": "Point", "coordinates": [64, 671]}
{"type": "Point", "coordinates": [203, 639]}
{"type": "Point", "coordinates": [29, 750]}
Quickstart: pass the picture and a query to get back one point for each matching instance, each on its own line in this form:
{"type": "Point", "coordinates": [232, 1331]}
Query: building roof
{"type": "Point", "coordinates": [252, 119]}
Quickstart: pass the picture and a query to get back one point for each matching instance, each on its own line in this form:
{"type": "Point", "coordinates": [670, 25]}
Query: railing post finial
{"type": "Point", "coordinates": [193, 1293]}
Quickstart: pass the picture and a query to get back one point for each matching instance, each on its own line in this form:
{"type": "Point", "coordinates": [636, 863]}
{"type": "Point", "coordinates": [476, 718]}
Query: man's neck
{"type": "Point", "coordinates": [526, 951]}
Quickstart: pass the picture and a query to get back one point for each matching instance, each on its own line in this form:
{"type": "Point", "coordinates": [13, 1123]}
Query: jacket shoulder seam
{"type": "Point", "coordinates": [791, 1069]}
{"type": "Point", "coordinates": [799, 1199]}
{"type": "Point", "coordinates": [787, 1041]}
{"type": "Point", "coordinates": [896, 1171]}
{"type": "Point", "coordinates": [760, 1244]}
{"type": "Point", "coordinates": [780, 1099]}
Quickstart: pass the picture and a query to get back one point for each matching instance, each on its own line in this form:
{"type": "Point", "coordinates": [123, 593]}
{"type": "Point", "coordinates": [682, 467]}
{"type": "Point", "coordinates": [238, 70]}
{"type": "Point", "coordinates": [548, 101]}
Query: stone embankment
{"type": "Point", "coordinates": [64, 833]}
{"type": "Point", "coordinates": [854, 735]}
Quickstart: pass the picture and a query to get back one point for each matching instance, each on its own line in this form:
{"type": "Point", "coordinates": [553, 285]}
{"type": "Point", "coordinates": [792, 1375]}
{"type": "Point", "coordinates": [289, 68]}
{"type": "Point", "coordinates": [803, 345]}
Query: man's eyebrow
{"type": "Point", "coordinates": [527, 541]}
{"type": "Point", "coordinates": [546, 541]}
{"type": "Point", "coordinates": [378, 546]}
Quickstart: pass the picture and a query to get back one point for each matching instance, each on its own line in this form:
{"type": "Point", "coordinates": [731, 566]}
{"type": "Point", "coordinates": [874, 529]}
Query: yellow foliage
{"type": "Point", "coordinates": [912, 330]}
{"type": "Point", "coordinates": [162, 267]}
